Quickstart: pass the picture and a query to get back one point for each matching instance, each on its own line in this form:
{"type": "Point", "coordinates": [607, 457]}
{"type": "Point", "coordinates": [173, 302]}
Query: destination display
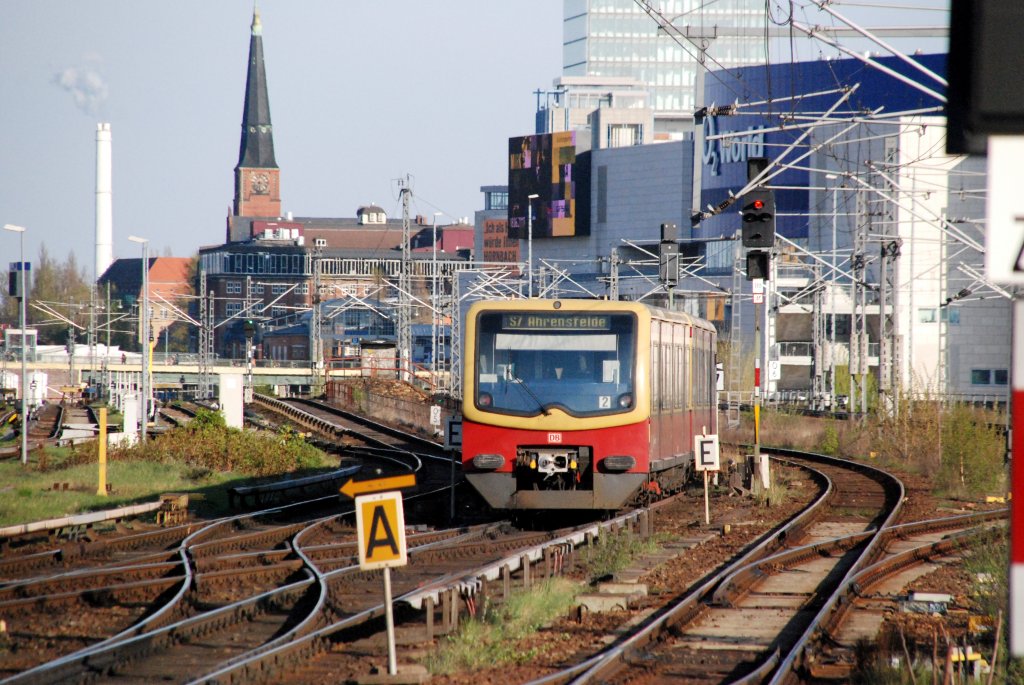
{"type": "Point", "coordinates": [556, 322]}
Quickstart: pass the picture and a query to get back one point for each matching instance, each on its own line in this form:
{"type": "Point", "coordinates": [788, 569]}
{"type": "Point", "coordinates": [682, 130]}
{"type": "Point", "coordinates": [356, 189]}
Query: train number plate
{"type": "Point", "coordinates": [554, 438]}
{"type": "Point", "coordinates": [604, 402]}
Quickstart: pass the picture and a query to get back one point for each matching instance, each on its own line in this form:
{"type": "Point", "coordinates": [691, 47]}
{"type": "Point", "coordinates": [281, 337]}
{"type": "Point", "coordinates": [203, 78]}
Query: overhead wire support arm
{"type": "Point", "coordinates": [776, 166]}
{"type": "Point", "coordinates": [825, 7]}
{"type": "Point", "coordinates": [942, 224]}
{"type": "Point", "coordinates": [813, 32]}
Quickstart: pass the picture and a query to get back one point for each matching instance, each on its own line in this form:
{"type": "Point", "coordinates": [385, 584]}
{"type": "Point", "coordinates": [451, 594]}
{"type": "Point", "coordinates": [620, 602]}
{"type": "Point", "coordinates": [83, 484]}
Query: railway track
{"type": "Point", "coordinates": [45, 428]}
{"type": "Point", "coordinates": [911, 551]}
{"type": "Point", "coordinates": [360, 440]}
{"type": "Point", "coordinates": [775, 617]}
{"type": "Point", "coordinates": [236, 590]}
{"type": "Point", "coordinates": [260, 598]}
{"type": "Point", "coordinates": [743, 619]}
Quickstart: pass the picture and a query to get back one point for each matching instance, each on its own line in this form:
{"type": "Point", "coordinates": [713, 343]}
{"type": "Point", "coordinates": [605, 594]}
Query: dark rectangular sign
{"type": "Point", "coordinates": [556, 322]}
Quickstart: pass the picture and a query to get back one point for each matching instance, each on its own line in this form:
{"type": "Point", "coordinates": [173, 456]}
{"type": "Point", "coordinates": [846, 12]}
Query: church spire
{"type": "Point", "coordinates": [257, 177]}
{"type": "Point", "coordinates": [257, 149]}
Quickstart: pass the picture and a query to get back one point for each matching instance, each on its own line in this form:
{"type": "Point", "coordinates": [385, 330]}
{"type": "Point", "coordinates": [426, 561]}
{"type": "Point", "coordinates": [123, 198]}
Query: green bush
{"type": "Point", "coordinates": [206, 418]}
{"type": "Point", "coordinates": [830, 441]}
{"type": "Point", "coordinates": [206, 444]}
{"type": "Point", "coordinates": [972, 454]}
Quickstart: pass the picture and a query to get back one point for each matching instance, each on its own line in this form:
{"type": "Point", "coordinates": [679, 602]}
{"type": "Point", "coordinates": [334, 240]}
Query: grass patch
{"type": "Point", "coordinates": [492, 639]}
{"type": "Point", "coordinates": [777, 494]}
{"type": "Point", "coordinates": [614, 552]}
{"type": "Point", "coordinates": [131, 482]}
{"type": "Point", "coordinates": [202, 459]}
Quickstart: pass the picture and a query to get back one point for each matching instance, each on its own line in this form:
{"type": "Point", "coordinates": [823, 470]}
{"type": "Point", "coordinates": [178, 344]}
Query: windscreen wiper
{"type": "Point", "coordinates": [509, 375]}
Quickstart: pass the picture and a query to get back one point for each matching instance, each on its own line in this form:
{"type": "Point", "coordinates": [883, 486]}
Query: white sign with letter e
{"type": "Point", "coordinates": [380, 525]}
{"type": "Point", "coordinates": [705, 450]}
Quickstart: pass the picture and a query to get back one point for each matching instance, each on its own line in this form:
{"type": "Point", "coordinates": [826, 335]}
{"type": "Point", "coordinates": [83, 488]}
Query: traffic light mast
{"type": "Point", "coordinates": [758, 231]}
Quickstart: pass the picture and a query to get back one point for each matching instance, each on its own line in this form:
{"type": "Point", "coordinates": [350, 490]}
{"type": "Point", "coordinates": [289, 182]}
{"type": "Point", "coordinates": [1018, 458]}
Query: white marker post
{"type": "Point", "coordinates": [1004, 264]}
{"type": "Point", "coordinates": [705, 447]}
{"type": "Point", "coordinates": [380, 525]}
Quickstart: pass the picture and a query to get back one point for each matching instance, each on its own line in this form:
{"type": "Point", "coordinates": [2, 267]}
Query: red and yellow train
{"type": "Point", "coordinates": [583, 404]}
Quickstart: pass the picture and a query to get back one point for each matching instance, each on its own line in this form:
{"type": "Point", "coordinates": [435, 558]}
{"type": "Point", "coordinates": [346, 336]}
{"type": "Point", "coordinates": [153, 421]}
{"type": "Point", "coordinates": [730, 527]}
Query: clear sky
{"type": "Point", "coordinates": [361, 93]}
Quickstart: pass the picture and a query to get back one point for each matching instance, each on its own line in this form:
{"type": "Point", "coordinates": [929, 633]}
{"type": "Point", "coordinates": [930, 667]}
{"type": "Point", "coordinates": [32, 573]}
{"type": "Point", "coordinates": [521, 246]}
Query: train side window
{"type": "Point", "coordinates": [706, 397]}
{"type": "Point", "coordinates": [700, 376]}
{"type": "Point", "coordinates": [686, 371]}
{"type": "Point", "coordinates": [677, 367]}
{"type": "Point", "coordinates": [655, 369]}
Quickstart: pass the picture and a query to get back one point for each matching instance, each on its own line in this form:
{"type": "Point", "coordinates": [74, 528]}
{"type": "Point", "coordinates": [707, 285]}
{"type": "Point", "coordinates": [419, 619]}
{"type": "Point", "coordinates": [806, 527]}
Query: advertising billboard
{"type": "Point", "coordinates": [498, 247]}
{"type": "Point", "coordinates": [545, 166]}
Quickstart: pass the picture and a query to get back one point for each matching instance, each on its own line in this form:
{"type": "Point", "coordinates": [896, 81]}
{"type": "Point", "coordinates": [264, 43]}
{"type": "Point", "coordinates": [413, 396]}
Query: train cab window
{"type": "Point", "coordinates": [580, 362]}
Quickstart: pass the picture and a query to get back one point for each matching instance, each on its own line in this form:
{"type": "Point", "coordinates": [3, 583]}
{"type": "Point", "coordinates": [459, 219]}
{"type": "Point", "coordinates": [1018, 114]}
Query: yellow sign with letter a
{"type": "Point", "coordinates": [380, 525]}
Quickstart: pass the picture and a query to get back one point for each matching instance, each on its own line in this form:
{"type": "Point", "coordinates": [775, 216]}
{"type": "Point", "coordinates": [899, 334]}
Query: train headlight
{"type": "Point", "coordinates": [488, 462]}
{"type": "Point", "coordinates": [485, 399]}
{"type": "Point", "coordinates": [573, 465]}
{"type": "Point", "coordinates": [626, 400]}
{"type": "Point", "coordinates": [619, 463]}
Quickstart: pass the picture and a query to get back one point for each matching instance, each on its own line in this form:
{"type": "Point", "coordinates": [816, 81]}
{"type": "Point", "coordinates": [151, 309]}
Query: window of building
{"type": "Point", "coordinates": [257, 288]}
{"type": "Point", "coordinates": [990, 376]}
{"type": "Point", "coordinates": [624, 135]}
{"type": "Point", "coordinates": [233, 287]}
{"type": "Point", "coordinates": [279, 288]}
{"type": "Point", "coordinates": [302, 289]}
{"type": "Point", "coordinates": [278, 312]}
{"type": "Point", "coordinates": [232, 309]}
{"type": "Point", "coordinates": [496, 200]}
{"type": "Point", "coordinates": [950, 315]}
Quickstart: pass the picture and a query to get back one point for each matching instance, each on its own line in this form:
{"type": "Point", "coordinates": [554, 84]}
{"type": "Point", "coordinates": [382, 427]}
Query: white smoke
{"type": "Point", "coordinates": [86, 85]}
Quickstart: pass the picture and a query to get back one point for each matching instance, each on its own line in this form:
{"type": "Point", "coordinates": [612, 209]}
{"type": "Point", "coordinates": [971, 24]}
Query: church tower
{"type": "Point", "coordinates": [257, 177]}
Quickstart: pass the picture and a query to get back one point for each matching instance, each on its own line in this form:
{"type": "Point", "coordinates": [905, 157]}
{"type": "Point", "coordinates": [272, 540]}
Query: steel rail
{"type": "Point", "coordinates": [600, 665]}
{"type": "Point", "coordinates": [468, 581]}
{"type": "Point", "coordinates": [785, 670]}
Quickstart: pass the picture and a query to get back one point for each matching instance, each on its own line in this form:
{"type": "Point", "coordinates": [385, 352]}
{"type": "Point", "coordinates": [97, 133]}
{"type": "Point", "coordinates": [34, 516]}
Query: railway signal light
{"type": "Point", "coordinates": [758, 262]}
{"type": "Point", "coordinates": [758, 214]}
{"type": "Point", "coordinates": [249, 326]}
{"type": "Point", "coordinates": [668, 255]}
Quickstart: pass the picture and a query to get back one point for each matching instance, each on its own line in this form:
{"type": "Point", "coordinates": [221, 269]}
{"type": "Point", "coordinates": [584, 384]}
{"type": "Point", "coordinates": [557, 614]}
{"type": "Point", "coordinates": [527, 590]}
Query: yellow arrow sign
{"type": "Point", "coordinates": [361, 487]}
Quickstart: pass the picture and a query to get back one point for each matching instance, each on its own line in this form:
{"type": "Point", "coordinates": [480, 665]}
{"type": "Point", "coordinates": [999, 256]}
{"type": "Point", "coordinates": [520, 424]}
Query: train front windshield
{"type": "Point", "coordinates": [580, 362]}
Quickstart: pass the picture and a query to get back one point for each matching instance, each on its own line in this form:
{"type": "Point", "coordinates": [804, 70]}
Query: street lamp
{"type": "Point", "coordinates": [529, 245]}
{"type": "Point", "coordinates": [21, 314]}
{"type": "Point", "coordinates": [144, 331]}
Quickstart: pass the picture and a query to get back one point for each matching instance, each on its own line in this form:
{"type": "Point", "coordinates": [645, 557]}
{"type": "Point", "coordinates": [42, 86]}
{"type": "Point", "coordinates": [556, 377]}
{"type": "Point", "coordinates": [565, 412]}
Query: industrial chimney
{"type": "Point", "coordinates": [104, 202]}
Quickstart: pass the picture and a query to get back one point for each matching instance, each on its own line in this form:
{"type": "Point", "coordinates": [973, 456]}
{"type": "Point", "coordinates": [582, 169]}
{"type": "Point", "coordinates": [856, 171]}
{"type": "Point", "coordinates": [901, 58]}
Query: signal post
{"type": "Point", "coordinates": [758, 231]}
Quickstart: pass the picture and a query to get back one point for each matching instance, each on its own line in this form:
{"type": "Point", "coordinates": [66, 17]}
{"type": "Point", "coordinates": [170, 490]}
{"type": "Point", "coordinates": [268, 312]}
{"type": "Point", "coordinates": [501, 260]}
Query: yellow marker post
{"type": "Point", "coordinates": [102, 489]}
